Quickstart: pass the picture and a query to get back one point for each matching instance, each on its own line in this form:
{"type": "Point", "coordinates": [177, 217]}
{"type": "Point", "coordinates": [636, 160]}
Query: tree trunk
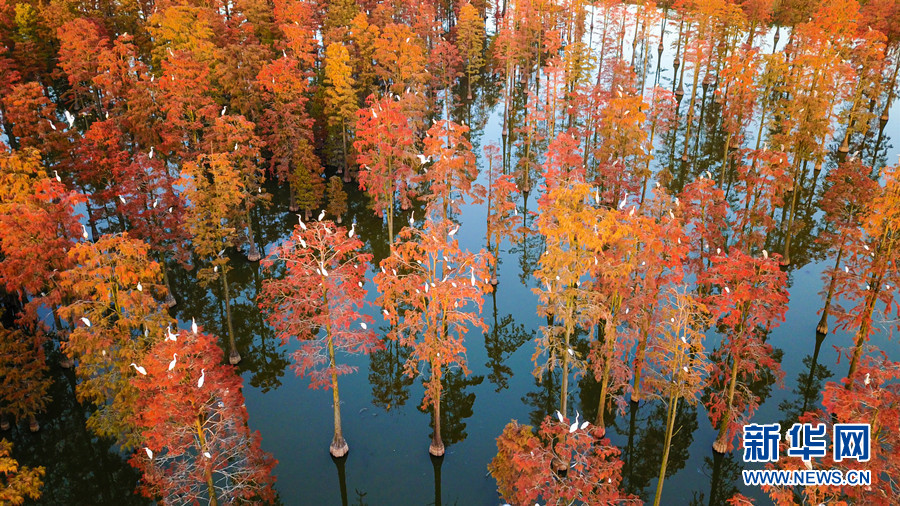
{"type": "Point", "coordinates": [670, 425]}
{"type": "Point", "coordinates": [721, 444]}
{"type": "Point", "coordinates": [822, 327]}
{"type": "Point", "coordinates": [437, 446]}
{"type": "Point", "coordinates": [234, 357]}
{"type": "Point", "coordinates": [339, 446]}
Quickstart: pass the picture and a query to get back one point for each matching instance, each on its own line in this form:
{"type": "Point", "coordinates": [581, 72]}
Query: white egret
{"type": "Point", "coordinates": [422, 159]}
{"type": "Point", "coordinates": [139, 369]}
{"type": "Point", "coordinates": [58, 179]}
{"type": "Point", "coordinates": [85, 321]}
{"type": "Point", "coordinates": [363, 325]}
{"type": "Point", "coordinates": [302, 225]}
{"type": "Point", "coordinates": [174, 361]}
{"type": "Point", "coordinates": [386, 314]}
{"type": "Point", "coordinates": [585, 424]}
{"type": "Point", "coordinates": [374, 115]}
{"type": "Point", "coordinates": [559, 415]}
{"type": "Point", "coordinates": [84, 232]}
{"type": "Point", "coordinates": [765, 254]}
{"type": "Point", "coordinates": [224, 108]}
{"type": "Point", "coordinates": [169, 335]}
{"type": "Point", "coordinates": [140, 287]}
{"type": "Point", "coordinates": [412, 220]}
{"type": "Point", "coordinates": [202, 378]}
{"type": "Point", "coordinates": [207, 455]}
{"type": "Point", "coordinates": [69, 118]}
{"type": "Point", "coordinates": [322, 215]}
{"type": "Point", "coordinates": [193, 326]}
{"type": "Point", "coordinates": [151, 152]}
{"type": "Point", "coordinates": [51, 124]}
{"type": "Point", "coordinates": [868, 379]}
{"type": "Point", "coordinates": [352, 230]}
{"type": "Point", "coordinates": [149, 453]}
{"type": "Point", "coordinates": [454, 231]}
{"type": "Point", "coordinates": [574, 426]}
{"type": "Point", "coordinates": [727, 290]}
{"type": "Point", "coordinates": [624, 201]}
{"type": "Point", "coordinates": [631, 213]}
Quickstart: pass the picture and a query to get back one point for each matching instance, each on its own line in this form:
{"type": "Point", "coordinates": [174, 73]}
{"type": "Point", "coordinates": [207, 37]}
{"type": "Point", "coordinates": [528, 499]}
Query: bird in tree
{"type": "Point", "coordinates": [319, 302]}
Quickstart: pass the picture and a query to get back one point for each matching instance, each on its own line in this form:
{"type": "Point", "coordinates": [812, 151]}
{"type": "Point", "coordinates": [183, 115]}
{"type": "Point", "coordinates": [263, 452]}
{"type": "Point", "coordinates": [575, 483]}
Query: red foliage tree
{"type": "Point", "coordinates": [748, 298]}
{"type": "Point", "coordinates": [426, 285]}
{"type": "Point", "coordinates": [873, 400]}
{"type": "Point", "coordinates": [384, 142]}
{"type": "Point", "coordinates": [523, 466]}
{"type": "Point", "coordinates": [196, 445]}
{"type": "Point", "coordinates": [318, 303]}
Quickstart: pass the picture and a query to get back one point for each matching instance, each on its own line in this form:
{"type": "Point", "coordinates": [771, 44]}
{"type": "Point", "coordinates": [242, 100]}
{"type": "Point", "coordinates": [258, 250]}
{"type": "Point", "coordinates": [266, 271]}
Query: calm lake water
{"type": "Point", "coordinates": [388, 433]}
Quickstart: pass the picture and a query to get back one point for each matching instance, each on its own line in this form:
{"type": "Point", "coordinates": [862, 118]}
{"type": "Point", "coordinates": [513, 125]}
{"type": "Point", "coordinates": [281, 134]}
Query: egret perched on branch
{"type": "Point", "coordinates": [69, 118]}
{"type": "Point", "coordinates": [174, 361]}
{"type": "Point", "coordinates": [193, 326]}
{"type": "Point", "coordinates": [86, 322]}
{"type": "Point", "coordinates": [352, 230]}
{"type": "Point", "coordinates": [202, 378]}
{"type": "Point", "coordinates": [322, 215]}
{"type": "Point", "coordinates": [169, 335]}
{"type": "Point", "coordinates": [139, 369]}
{"type": "Point", "coordinates": [149, 453]}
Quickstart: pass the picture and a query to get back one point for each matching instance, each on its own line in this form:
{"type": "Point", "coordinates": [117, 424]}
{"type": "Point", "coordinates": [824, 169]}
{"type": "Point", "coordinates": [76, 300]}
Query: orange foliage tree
{"type": "Point", "coordinates": [117, 315]}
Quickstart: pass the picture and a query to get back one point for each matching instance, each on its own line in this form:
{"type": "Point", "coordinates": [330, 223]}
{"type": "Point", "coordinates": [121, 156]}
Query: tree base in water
{"type": "Point", "coordinates": [822, 327]}
{"type": "Point", "coordinates": [33, 425]}
{"type": "Point", "coordinates": [495, 281]}
{"type": "Point", "coordinates": [66, 362]}
{"type": "Point", "coordinates": [234, 358]}
{"type": "Point", "coordinates": [436, 450]}
{"type": "Point", "coordinates": [720, 447]}
{"type": "Point", "coordinates": [4, 424]}
{"type": "Point", "coordinates": [338, 449]}
{"type": "Point", "coordinates": [253, 255]}
{"type": "Point", "coordinates": [170, 301]}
